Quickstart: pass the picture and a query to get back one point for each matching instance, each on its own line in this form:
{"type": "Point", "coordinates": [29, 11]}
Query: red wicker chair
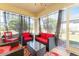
{"type": "Point", "coordinates": [8, 37]}
{"type": "Point", "coordinates": [26, 37]}
{"type": "Point", "coordinates": [46, 38]}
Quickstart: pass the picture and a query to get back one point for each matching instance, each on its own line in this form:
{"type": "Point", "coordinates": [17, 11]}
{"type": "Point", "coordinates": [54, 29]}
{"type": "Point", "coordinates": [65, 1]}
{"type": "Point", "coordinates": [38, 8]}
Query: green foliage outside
{"type": "Point", "coordinates": [14, 24]}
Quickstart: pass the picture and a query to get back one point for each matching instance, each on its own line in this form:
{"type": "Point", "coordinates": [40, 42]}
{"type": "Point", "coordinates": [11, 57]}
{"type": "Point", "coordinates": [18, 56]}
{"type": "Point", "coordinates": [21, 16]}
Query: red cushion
{"type": "Point", "coordinates": [49, 35]}
{"type": "Point", "coordinates": [26, 34]}
{"type": "Point", "coordinates": [27, 38]}
{"type": "Point", "coordinates": [10, 40]}
{"type": "Point", "coordinates": [42, 40]}
{"type": "Point", "coordinates": [5, 49]}
{"type": "Point", "coordinates": [46, 35]}
{"type": "Point", "coordinates": [43, 35]}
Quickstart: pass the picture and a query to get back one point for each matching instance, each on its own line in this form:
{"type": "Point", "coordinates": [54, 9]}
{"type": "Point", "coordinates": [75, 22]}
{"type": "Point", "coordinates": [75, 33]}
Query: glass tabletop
{"type": "Point", "coordinates": [35, 44]}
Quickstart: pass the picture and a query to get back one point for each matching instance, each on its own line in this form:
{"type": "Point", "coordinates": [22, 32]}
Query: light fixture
{"type": "Point", "coordinates": [41, 4]}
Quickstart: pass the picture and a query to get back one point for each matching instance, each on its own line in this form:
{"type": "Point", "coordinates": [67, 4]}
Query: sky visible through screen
{"type": "Point", "coordinates": [75, 10]}
{"type": "Point", "coordinates": [74, 15]}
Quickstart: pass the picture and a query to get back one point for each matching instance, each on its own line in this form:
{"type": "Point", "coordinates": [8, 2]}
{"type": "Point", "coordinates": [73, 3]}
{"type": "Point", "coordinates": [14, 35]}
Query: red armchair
{"type": "Point", "coordinates": [47, 39]}
{"type": "Point", "coordinates": [8, 37]}
{"type": "Point", "coordinates": [26, 37]}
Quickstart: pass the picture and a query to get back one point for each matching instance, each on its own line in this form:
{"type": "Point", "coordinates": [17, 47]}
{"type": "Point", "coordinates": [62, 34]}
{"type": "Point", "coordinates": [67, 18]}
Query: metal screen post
{"type": "Point", "coordinates": [58, 26]}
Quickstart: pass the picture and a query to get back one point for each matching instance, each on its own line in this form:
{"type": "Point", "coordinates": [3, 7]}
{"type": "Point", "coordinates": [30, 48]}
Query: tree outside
{"type": "Point", "coordinates": [50, 25]}
{"type": "Point", "coordinates": [14, 24]}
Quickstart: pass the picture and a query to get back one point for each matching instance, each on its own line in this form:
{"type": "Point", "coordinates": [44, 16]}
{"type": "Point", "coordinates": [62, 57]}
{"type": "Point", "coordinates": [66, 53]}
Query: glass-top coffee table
{"type": "Point", "coordinates": [36, 47]}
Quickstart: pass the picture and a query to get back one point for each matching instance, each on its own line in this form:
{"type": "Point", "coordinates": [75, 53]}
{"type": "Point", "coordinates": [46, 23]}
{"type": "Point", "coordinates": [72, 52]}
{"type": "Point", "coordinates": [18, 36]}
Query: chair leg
{"type": "Point", "coordinates": [47, 47]}
{"type": "Point", "coordinates": [24, 43]}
